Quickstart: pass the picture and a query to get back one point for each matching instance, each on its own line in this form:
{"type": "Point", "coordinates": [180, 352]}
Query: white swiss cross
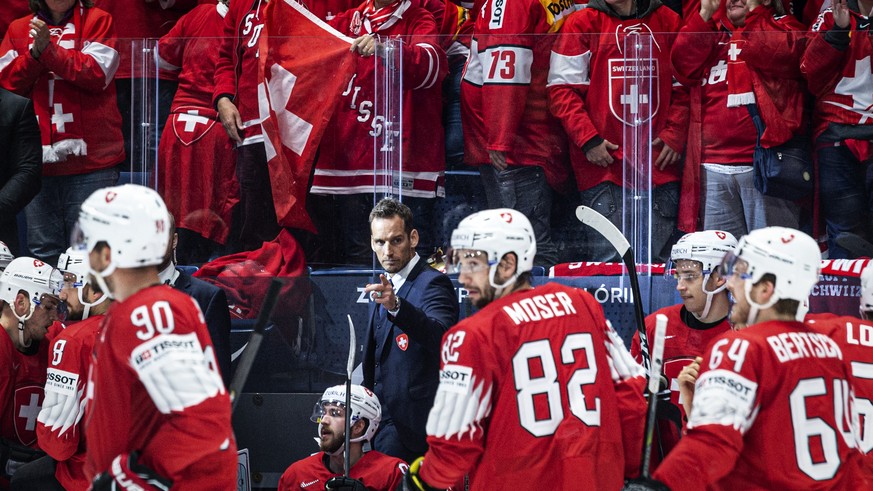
{"type": "Point", "coordinates": [859, 88]}
{"type": "Point", "coordinates": [293, 130]}
{"type": "Point", "coordinates": [402, 342]}
{"type": "Point", "coordinates": [192, 118]}
{"type": "Point", "coordinates": [60, 118]}
{"type": "Point", "coordinates": [734, 51]}
{"type": "Point", "coordinates": [634, 99]}
{"type": "Point", "coordinates": [31, 411]}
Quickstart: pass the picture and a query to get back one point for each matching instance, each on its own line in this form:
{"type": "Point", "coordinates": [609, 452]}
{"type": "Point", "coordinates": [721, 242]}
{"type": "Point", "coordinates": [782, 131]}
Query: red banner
{"type": "Point", "coordinates": [304, 67]}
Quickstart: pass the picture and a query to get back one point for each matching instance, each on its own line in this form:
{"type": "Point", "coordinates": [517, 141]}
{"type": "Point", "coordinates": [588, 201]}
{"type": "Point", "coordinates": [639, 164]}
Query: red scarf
{"type": "Point", "coordinates": [375, 19]}
{"type": "Point", "coordinates": [60, 114]}
{"type": "Point", "coordinates": [739, 77]}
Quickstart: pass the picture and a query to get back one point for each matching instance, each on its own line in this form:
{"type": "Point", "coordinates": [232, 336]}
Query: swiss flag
{"type": "Point", "coordinates": [304, 67]}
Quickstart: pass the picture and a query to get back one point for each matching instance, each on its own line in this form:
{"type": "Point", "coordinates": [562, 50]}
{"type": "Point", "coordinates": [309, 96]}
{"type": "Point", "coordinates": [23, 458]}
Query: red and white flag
{"type": "Point", "coordinates": [304, 67]}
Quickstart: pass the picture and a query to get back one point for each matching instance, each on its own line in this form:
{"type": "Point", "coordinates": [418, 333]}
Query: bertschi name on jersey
{"type": "Point", "coordinates": [795, 345]}
{"type": "Point", "coordinates": [540, 307]}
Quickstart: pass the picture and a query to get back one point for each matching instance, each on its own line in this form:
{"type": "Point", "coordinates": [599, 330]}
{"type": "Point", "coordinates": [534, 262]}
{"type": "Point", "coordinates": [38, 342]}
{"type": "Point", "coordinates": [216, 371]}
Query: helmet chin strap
{"type": "Point", "coordinates": [21, 321]}
{"type": "Point", "coordinates": [709, 295]}
{"type": "Point", "coordinates": [88, 305]}
{"type": "Point", "coordinates": [492, 274]}
{"type": "Point", "coordinates": [100, 277]}
{"type": "Point", "coordinates": [755, 307]}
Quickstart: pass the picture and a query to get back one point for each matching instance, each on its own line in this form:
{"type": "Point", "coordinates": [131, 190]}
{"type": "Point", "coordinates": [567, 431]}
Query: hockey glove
{"type": "Point", "coordinates": [126, 473]}
{"type": "Point", "coordinates": [344, 484]}
{"type": "Point", "coordinates": [644, 485]}
{"type": "Point", "coordinates": [412, 481]}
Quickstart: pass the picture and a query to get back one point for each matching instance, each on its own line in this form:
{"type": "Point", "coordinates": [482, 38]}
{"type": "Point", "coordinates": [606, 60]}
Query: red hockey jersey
{"type": "Point", "coordinates": [59, 426]}
{"type": "Point", "coordinates": [536, 390]}
{"type": "Point", "coordinates": [22, 378]}
{"type": "Point", "coordinates": [377, 471]}
{"type": "Point", "coordinates": [681, 345]}
{"type": "Point", "coordinates": [504, 104]}
{"type": "Point", "coordinates": [855, 337]}
{"type": "Point", "coordinates": [236, 73]}
{"type": "Point", "coordinates": [347, 155]}
{"type": "Point", "coordinates": [595, 92]}
{"type": "Point", "coordinates": [771, 411]}
{"type": "Point", "coordinates": [842, 81]}
{"type": "Point", "coordinates": [157, 390]}
{"type": "Point", "coordinates": [72, 90]}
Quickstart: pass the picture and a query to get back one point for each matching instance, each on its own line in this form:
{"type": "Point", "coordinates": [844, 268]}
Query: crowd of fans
{"type": "Point", "coordinates": [533, 98]}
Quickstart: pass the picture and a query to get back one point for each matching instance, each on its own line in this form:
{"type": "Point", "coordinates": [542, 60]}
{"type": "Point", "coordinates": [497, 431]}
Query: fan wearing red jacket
{"type": "Point", "coordinates": [837, 68]}
{"type": "Point", "coordinates": [592, 90]}
{"type": "Point", "coordinates": [196, 159]}
{"type": "Point", "coordinates": [64, 59]}
{"type": "Point", "coordinates": [509, 134]}
{"type": "Point", "coordinates": [775, 379]}
{"type": "Point", "coordinates": [692, 324]}
{"type": "Point", "coordinates": [235, 98]}
{"type": "Point", "coordinates": [156, 404]}
{"type": "Point", "coordinates": [751, 54]}
{"type": "Point", "coordinates": [341, 194]}
{"type": "Point", "coordinates": [59, 426]}
{"type": "Point", "coordinates": [536, 389]}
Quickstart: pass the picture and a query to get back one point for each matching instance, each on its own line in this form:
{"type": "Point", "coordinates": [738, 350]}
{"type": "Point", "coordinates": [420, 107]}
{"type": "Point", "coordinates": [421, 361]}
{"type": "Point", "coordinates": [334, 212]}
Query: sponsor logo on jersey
{"type": "Point", "coordinates": [402, 342]}
{"type": "Point", "coordinates": [172, 348]}
{"type": "Point", "coordinates": [61, 381]}
{"type": "Point", "coordinates": [304, 484]}
{"type": "Point", "coordinates": [723, 397]}
{"type": "Point", "coordinates": [634, 96]}
{"type": "Point", "coordinates": [27, 403]}
{"type": "Point", "coordinates": [498, 8]}
{"type": "Point", "coordinates": [456, 378]}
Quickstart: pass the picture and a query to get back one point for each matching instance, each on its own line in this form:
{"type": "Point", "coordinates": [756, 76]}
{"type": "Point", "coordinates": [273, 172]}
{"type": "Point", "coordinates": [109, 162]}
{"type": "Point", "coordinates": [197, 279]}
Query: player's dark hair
{"type": "Point", "coordinates": [526, 277]}
{"type": "Point", "coordinates": [389, 208]}
{"type": "Point", "coordinates": [785, 306]}
{"type": "Point", "coordinates": [39, 5]}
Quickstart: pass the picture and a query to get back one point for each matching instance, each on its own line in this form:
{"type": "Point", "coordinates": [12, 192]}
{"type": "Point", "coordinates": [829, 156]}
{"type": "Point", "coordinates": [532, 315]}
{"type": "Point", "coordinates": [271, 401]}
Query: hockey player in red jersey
{"type": "Point", "coordinates": [536, 389]}
{"type": "Point", "coordinates": [595, 89]}
{"type": "Point", "coordinates": [156, 403]}
{"type": "Point", "coordinates": [372, 470]}
{"type": "Point", "coordinates": [702, 315]}
{"type": "Point", "coordinates": [508, 131]}
{"type": "Point", "coordinates": [774, 379]}
{"type": "Point", "coordinates": [59, 424]}
{"type": "Point", "coordinates": [28, 306]}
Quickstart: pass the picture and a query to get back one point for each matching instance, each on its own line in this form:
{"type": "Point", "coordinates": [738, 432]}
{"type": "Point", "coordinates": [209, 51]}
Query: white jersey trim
{"type": "Point", "coordinates": [569, 70]}
{"type": "Point", "coordinates": [64, 404]}
{"type": "Point", "coordinates": [175, 371]}
{"type": "Point", "coordinates": [518, 64]}
{"type": "Point", "coordinates": [106, 57]}
{"type": "Point", "coordinates": [458, 410]}
{"type": "Point", "coordinates": [726, 398]}
{"type": "Point", "coordinates": [433, 67]}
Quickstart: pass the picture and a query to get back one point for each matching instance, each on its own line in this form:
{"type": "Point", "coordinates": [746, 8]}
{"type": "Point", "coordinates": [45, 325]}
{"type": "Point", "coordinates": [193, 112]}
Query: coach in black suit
{"type": "Point", "coordinates": [211, 299]}
{"type": "Point", "coordinates": [413, 305]}
{"type": "Point", "coordinates": [20, 162]}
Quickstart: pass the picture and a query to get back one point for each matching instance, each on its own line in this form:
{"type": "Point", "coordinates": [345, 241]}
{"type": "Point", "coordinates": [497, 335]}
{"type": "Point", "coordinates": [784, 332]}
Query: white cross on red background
{"type": "Point", "coordinates": [60, 118]}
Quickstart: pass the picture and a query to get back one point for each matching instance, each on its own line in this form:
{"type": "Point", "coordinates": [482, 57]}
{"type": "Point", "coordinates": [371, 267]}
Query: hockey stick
{"type": "Point", "coordinates": [612, 234]}
{"type": "Point", "coordinates": [349, 367]}
{"type": "Point", "coordinates": [247, 359]}
{"type": "Point", "coordinates": [654, 383]}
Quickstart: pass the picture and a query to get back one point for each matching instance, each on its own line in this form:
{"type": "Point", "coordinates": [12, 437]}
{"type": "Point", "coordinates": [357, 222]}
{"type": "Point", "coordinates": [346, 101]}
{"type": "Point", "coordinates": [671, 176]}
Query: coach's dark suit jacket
{"type": "Point", "coordinates": [213, 303]}
{"type": "Point", "coordinates": [20, 162]}
{"type": "Point", "coordinates": [406, 381]}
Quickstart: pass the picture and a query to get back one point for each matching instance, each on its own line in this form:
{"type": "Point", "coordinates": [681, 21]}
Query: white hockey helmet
{"type": "Point", "coordinates": [132, 219]}
{"type": "Point", "coordinates": [867, 290]}
{"type": "Point", "coordinates": [5, 256]}
{"type": "Point", "coordinates": [364, 403]}
{"type": "Point", "coordinates": [76, 263]}
{"type": "Point", "coordinates": [788, 254]}
{"type": "Point", "coordinates": [32, 276]}
{"type": "Point", "coordinates": [498, 232]}
{"type": "Point", "coordinates": [707, 247]}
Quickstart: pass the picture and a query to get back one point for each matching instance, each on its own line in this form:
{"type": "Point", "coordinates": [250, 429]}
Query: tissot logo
{"type": "Point", "coordinates": [497, 7]}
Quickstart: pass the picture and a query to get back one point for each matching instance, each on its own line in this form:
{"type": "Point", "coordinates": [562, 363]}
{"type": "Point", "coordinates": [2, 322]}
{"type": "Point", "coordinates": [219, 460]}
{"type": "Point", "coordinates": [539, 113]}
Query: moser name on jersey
{"type": "Point", "coordinates": [795, 345]}
{"type": "Point", "coordinates": [540, 307]}
{"type": "Point", "coordinates": [61, 381]}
